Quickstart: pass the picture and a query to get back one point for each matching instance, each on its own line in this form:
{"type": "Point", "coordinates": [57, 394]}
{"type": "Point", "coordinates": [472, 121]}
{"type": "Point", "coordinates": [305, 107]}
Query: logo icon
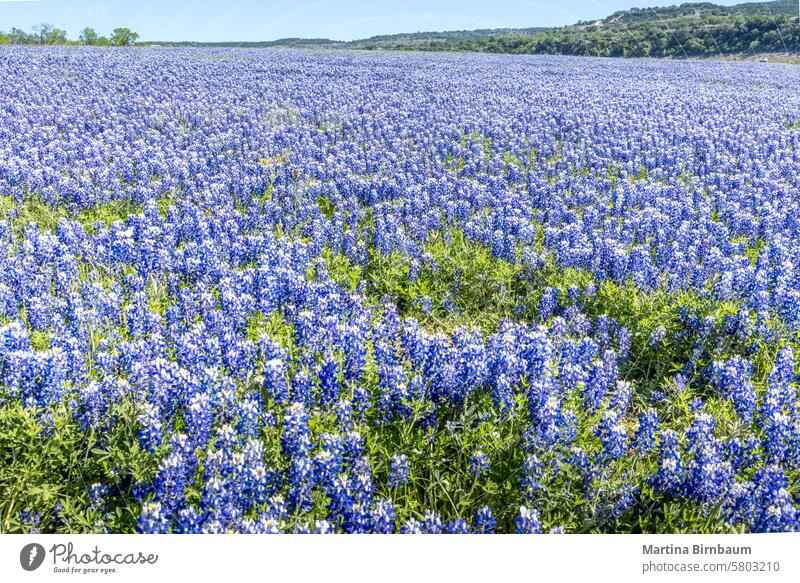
{"type": "Point", "coordinates": [31, 556]}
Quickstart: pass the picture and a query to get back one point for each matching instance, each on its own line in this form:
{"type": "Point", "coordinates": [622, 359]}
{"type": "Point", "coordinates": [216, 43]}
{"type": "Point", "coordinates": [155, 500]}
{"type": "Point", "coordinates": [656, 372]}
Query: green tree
{"type": "Point", "coordinates": [57, 36]}
{"type": "Point", "coordinates": [88, 36]}
{"type": "Point", "coordinates": [17, 36]}
{"type": "Point", "coordinates": [41, 32]}
{"type": "Point", "coordinates": [123, 37]}
{"type": "Point", "coordinates": [3, 38]}
{"type": "Point", "coordinates": [47, 34]}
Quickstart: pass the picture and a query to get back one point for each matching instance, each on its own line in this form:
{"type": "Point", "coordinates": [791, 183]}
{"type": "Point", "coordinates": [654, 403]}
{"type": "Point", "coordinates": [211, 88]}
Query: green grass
{"type": "Point", "coordinates": [48, 469]}
{"type": "Point", "coordinates": [33, 210]}
{"type": "Point", "coordinates": [466, 284]}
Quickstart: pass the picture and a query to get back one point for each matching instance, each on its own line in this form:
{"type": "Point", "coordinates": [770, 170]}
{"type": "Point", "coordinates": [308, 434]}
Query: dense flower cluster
{"type": "Point", "coordinates": [272, 397]}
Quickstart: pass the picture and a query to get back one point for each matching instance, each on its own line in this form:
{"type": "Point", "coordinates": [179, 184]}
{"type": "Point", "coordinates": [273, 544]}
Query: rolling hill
{"type": "Point", "coordinates": [685, 30]}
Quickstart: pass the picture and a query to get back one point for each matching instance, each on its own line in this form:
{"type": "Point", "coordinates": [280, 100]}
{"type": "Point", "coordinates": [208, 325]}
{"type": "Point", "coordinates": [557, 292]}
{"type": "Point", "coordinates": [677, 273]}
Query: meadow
{"type": "Point", "coordinates": [292, 291]}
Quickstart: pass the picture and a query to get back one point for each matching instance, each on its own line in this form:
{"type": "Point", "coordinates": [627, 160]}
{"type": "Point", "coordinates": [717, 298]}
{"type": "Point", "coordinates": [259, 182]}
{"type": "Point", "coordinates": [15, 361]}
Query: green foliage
{"type": "Point", "coordinates": [681, 37]}
{"type": "Point", "coordinates": [273, 326]}
{"type": "Point", "coordinates": [88, 36]}
{"type": "Point", "coordinates": [47, 469]}
{"type": "Point", "coordinates": [439, 457]}
{"type": "Point", "coordinates": [688, 30]}
{"type": "Point", "coordinates": [47, 34]}
{"type": "Point", "coordinates": [123, 37]}
{"type": "Point", "coordinates": [34, 210]}
{"type": "Point", "coordinates": [465, 283]}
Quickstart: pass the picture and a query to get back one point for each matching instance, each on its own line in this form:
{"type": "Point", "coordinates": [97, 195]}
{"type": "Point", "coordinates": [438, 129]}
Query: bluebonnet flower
{"type": "Point", "coordinates": [412, 526]}
{"type": "Point", "coordinates": [623, 500]}
{"type": "Point", "coordinates": [740, 504]}
{"type": "Point", "coordinates": [742, 454]}
{"type": "Point", "coordinates": [776, 510]}
{"type": "Point", "coordinates": [503, 393]}
{"type": "Point", "coordinates": [458, 526]}
{"type": "Point", "coordinates": [782, 434]}
{"type": "Point", "coordinates": [671, 475]}
{"type": "Point", "coordinates": [432, 523]}
{"type": "Point", "coordinates": [601, 379]}
{"type": "Point", "coordinates": [484, 521]}
{"type": "Point", "coordinates": [31, 521]}
{"type": "Point", "coordinates": [150, 431]}
{"type": "Point", "coordinates": [383, 517]}
{"type": "Point", "coordinates": [479, 463]}
{"type": "Point", "coordinates": [709, 475]}
{"type": "Point", "coordinates": [548, 303]}
{"type": "Point", "coordinates": [296, 445]}
{"type": "Point", "coordinates": [530, 480]}
{"type": "Point", "coordinates": [613, 435]}
{"type": "Point", "coordinates": [328, 382]}
{"type": "Point", "coordinates": [275, 379]}
{"type": "Point", "coordinates": [527, 521]}
{"type": "Point", "coordinates": [733, 379]}
{"type": "Point", "coordinates": [189, 521]}
{"type": "Point", "coordinates": [250, 414]}
{"type": "Point", "coordinates": [621, 397]}
{"type": "Point", "coordinates": [657, 337]}
{"type": "Point", "coordinates": [302, 389]}
{"type": "Point", "coordinates": [153, 519]}
{"type": "Point", "coordinates": [646, 435]}
{"type": "Point", "coordinates": [426, 305]}
{"type": "Point", "coordinates": [399, 470]}
{"type": "Point", "coordinates": [344, 414]}
{"type": "Point", "coordinates": [679, 383]}
{"type": "Point", "coordinates": [578, 458]}
{"type": "Point", "coordinates": [96, 494]}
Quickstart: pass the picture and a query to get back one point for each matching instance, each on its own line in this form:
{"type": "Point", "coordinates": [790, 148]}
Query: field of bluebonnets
{"type": "Point", "coordinates": [265, 291]}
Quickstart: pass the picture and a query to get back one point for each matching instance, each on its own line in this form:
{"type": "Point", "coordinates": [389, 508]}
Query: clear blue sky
{"type": "Point", "coordinates": [252, 20]}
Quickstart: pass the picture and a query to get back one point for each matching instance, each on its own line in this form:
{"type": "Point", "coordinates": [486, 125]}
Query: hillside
{"type": "Point", "coordinates": [446, 37]}
{"type": "Point", "coordinates": [422, 40]}
{"type": "Point", "coordinates": [685, 30]}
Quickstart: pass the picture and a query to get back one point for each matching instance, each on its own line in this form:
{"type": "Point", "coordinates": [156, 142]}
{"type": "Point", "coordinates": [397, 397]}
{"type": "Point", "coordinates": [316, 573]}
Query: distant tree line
{"type": "Point", "coordinates": [688, 30]}
{"type": "Point", "coordinates": [677, 37]}
{"type": "Point", "coordinates": [47, 34]}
